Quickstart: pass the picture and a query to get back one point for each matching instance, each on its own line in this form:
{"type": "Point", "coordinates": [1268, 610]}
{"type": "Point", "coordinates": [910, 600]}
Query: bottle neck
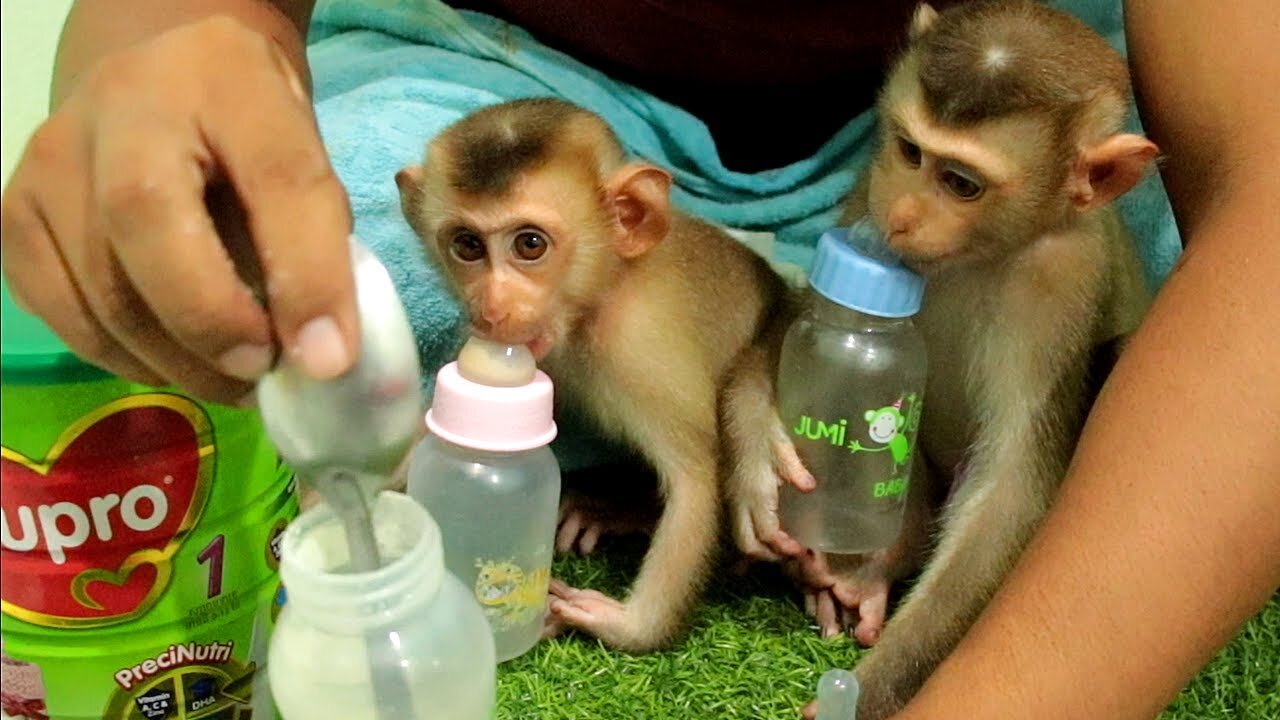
{"type": "Point", "coordinates": [320, 590]}
{"type": "Point", "coordinates": [832, 313]}
{"type": "Point", "coordinates": [459, 448]}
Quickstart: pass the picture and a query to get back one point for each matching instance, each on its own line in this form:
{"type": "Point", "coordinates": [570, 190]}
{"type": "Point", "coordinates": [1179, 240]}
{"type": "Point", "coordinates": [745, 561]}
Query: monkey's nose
{"type": "Point", "coordinates": [903, 216]}
{"type": "Point", "coordinates": [900, 223]}
{"type": "Point", "coordinates": [493, 314]}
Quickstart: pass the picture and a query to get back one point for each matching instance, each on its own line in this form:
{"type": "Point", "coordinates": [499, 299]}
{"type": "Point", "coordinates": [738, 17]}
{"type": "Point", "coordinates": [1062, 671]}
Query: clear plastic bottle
{"type": "Point", "coordinates": [431, 637]}
{"type": "Point", "coordinates": [851, 382]}
{"type": "Point", "coordinates": [486, 474]}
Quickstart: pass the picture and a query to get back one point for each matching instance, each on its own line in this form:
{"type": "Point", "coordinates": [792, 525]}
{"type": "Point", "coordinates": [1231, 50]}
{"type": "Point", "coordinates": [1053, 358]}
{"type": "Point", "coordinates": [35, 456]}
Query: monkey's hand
{"type": "Point", "coordinates": [585, 518]}
{"type": "Point", "coordinates": [753, 501]}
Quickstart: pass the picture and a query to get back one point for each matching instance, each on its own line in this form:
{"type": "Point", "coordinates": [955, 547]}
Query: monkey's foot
{"type": "Point", "coordinates": [846, 593]}
{"type": "Point", "coordinates": [585, 519]}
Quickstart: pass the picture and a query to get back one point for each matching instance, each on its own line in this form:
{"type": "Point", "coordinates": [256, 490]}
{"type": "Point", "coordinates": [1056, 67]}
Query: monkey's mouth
{"type": "Point", "coordinates": [539, 345]}
{"type": "Point", "coordinates": [927, 262]}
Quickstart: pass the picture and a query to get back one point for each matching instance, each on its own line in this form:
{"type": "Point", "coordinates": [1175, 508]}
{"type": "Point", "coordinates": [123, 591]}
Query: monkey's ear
{"type": "Point", "coordinates": [1110, 169]}
{"type": "Point", "coordinates": [923, 19]}
{"type": "Point", "coordinates": [409, 180]}
{"type": "Point", "coordinates": [639, 198]}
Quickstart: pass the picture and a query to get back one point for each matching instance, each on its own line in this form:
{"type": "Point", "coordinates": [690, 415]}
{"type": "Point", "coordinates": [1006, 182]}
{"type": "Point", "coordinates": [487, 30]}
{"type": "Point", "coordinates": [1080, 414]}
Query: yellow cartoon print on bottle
{"type": "Point", "coordinates": [508, 594]}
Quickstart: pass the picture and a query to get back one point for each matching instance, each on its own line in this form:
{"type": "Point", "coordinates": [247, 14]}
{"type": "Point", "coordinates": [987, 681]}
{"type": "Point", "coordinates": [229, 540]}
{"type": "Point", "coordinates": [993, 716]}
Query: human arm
{"type": "Point", "coordinates": [1163, 540]}
{"type": "Point", "coordinates": [182, 138]}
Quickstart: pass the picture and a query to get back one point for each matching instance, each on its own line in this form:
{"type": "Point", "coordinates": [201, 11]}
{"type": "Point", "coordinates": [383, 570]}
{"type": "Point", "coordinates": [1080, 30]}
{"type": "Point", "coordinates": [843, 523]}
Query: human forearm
{"type": "Point", "coordinates": [98, 27]}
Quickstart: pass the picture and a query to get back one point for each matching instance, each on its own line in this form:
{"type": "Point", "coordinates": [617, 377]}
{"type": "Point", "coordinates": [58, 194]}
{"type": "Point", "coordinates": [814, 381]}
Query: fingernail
{"type": "Point", "coordinates": [247, 361]}
{"type": "Point", "coordinates": [320, 349]}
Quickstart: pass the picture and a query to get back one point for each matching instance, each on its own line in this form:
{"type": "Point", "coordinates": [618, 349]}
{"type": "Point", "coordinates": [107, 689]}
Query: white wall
{"type": "Point", "coordinates": [28, 36]}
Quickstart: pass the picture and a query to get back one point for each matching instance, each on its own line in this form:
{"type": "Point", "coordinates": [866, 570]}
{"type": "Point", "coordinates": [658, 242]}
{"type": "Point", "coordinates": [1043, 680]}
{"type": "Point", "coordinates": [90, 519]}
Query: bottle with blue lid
{"type": "Point", "coordinates": [851, 380]}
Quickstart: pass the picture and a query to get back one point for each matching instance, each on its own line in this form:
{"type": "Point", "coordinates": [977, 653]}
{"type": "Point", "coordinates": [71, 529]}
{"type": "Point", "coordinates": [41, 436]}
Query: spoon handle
{"type": "Point", "coordinates": [344, 493]}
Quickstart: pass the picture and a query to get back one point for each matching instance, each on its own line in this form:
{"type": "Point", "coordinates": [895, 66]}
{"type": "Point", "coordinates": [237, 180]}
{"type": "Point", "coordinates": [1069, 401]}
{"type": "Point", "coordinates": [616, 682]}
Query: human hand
{"type": "Point", "coordinates": [178, 173]}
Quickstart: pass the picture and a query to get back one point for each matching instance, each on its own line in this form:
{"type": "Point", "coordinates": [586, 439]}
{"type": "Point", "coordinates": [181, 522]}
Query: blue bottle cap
{"type": "Point", "coordinates": [854, 268]}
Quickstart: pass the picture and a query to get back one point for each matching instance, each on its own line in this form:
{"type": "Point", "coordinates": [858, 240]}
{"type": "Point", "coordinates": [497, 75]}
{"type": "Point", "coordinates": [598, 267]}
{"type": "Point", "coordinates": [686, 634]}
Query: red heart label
{"type": "Point", "coordinates": [89, 533]}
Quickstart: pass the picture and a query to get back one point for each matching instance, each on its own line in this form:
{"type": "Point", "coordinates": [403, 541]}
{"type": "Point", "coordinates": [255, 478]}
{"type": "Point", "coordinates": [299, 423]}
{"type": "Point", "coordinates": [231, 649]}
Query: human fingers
{"type": "Point", "coordinates": [38, 280]}
{"type": "Point", "coordinates": [297, 210]}
{"type": "Point", "coordinates": [155, 255]}
{"type": "Point", "coordinates": [117, 306]}
{"type": "Point", "coordinates": [135, 291]}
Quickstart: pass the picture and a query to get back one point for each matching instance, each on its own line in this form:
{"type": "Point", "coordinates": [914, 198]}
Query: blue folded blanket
{"type": "Point", "coordinates": [389, 74]}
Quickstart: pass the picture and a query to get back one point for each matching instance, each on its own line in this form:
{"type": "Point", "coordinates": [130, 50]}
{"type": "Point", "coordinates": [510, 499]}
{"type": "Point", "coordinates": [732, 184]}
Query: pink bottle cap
{"type": "Point", "coordinates": [494, 419]}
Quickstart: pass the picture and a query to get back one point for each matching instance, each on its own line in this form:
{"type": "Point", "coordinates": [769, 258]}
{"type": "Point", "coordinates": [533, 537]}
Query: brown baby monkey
{"type": "Point", "coordinates": [551, 238]}
{"type": "Point", "coordinates": [1001, 150]}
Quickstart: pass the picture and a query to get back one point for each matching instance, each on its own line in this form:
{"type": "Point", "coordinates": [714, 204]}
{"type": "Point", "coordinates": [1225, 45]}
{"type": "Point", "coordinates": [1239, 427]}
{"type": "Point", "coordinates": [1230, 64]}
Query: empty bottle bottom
{"type": "Point", "coordinates": [848, 532]}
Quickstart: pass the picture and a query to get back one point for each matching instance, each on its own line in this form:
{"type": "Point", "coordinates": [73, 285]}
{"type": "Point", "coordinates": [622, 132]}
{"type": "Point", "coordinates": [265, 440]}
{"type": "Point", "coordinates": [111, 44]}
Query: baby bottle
{"type": "Point", "coordinates": [344, 637]}
{"type": "Point", "coordinates": [487, 475]}
{"type": "Point", "coordinates": [851, 381]}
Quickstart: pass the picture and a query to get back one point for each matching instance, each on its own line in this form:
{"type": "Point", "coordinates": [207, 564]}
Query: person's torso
{"type": "Point", "coordinates": [772, 81]}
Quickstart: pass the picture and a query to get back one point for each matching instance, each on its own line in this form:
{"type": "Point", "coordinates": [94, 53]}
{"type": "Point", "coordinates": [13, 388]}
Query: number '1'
{"type": "Point", "coordinates": [212, 554]}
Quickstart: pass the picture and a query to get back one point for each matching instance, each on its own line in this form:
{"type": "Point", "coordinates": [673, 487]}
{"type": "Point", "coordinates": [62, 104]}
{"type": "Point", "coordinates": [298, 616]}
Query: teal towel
{"type": "Point", "coordinates": [389, 74]}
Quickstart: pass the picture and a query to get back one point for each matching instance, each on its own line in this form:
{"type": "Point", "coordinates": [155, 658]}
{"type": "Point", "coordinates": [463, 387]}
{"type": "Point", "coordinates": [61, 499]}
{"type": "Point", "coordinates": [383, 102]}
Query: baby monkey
{"type": "Point", "coordinates": [1001, 150]}
{"type": "Point", "coordinates": [552, 239]}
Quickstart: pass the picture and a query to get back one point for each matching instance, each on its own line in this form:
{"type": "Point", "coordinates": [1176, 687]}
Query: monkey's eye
{"type": "Point", "coordinates": [962, 187]}
{"type": "Point", "coordinates": [910, 152]}
{"type": "Point", "coordinates": [530, 245]}
{"type": "Point", "coordinates": [467, 247]}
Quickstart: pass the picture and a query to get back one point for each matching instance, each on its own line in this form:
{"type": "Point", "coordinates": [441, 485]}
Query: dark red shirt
{"type": "Point", "coordinates": [772, 80]}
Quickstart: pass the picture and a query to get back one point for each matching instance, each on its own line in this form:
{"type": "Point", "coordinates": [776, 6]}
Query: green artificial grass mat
{"type": "Point", "coordinates": [752, 653]}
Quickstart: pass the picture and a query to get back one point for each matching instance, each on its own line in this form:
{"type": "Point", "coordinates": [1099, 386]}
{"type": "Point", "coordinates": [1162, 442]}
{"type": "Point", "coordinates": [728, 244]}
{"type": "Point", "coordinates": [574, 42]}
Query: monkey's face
{"type": "Point", "coordinates": [513, 258]}
{"type": "Point", "coordinates": [934, 191]}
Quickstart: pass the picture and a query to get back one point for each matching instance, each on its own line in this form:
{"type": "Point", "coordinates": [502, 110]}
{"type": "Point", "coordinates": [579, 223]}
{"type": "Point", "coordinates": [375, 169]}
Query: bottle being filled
{"type": "Point", "coordinates": [403, 641]}
{"type": "Point", "coordinates": [851, 381]}
{"type": "Point", "coordinates": [487, 476]}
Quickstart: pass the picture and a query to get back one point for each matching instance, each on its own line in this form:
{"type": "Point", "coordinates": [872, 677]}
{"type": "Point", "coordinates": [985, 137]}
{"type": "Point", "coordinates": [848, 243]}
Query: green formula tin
{"type": "Point", "coordinates": [138, 569]}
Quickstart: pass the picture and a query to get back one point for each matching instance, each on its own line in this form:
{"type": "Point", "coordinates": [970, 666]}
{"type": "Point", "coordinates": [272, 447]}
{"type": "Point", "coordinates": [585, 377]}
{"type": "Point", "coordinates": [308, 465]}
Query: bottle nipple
{"type": "Point", "coordinates": [494, 364]}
